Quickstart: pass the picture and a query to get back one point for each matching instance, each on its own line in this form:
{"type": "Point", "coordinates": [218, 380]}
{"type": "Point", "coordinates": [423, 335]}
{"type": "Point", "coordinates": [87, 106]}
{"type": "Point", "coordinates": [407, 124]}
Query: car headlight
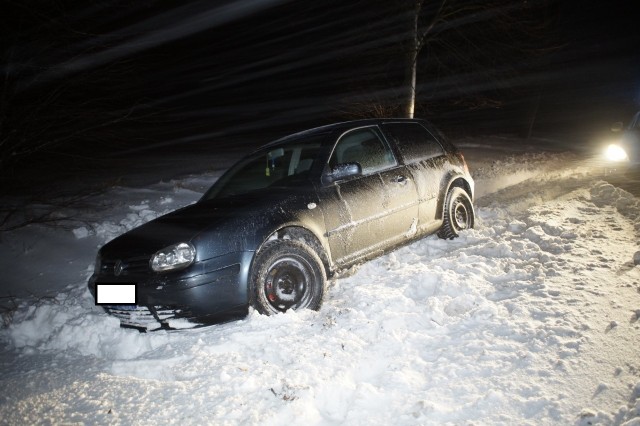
{"type": "Point", "coordinates": [616, 153]}
{"type": "Point", "coordinates": [174, 257]}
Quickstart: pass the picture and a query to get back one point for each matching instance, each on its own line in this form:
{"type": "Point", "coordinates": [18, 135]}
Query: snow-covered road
{"type": "Point", "coordinates": [531, 318]}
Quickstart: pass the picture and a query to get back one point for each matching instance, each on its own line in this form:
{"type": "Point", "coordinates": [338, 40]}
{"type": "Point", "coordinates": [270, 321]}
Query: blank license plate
{"type": "Point", "coordinates": [116, 294]}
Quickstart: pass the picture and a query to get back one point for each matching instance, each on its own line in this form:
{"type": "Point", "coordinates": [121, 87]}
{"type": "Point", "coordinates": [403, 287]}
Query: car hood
{"type": "Point", "coordinates": [219, 217]}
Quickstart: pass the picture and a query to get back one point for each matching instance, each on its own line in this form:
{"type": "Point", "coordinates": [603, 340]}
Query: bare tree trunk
{"type": "Point", "coordinates": [411, 88]}
{"type": "Point", "coordinates": [412, 60]}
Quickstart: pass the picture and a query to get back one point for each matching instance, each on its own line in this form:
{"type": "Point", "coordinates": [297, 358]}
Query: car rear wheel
{"type": "Point", "coordinates": [458, 214]}
{"type": "Point", "coordinates": [286, 274]}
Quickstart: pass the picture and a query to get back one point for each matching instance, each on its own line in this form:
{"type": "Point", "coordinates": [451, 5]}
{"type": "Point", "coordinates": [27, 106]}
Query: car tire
{"type": "Point", "coordinates": [458, 214]}
{"type": "Point", "coordinates": [286, 274]}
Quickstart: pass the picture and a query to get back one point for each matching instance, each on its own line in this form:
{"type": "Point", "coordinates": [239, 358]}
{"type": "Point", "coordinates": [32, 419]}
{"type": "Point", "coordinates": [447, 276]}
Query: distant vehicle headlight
{"type": "Point", "coordinates": [616, 153]}
{"type": "Point", "coordinates": [174, 257]}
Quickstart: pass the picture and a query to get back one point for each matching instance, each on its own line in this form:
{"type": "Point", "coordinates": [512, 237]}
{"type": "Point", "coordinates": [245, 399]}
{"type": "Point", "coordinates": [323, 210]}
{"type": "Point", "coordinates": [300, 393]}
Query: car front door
{"type": "Point", "coordinates": [371, 211]}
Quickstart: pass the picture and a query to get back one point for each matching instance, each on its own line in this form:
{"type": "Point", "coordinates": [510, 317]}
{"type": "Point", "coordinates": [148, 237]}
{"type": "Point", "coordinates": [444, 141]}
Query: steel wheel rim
{"type": "Point", "coordinates": [288, 284]}
{"type": "Point", "coordinates": [460, 214]}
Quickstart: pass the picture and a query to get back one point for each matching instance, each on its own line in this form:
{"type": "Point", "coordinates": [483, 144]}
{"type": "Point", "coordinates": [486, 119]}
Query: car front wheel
{"type": "Point", "coordinates": [286, 274]}
{"type": "Point", "coordinates": [458, 214]}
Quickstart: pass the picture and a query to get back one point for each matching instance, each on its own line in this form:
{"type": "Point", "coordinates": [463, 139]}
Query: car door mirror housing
{"type": "Point", "coordinates": [343, 171]}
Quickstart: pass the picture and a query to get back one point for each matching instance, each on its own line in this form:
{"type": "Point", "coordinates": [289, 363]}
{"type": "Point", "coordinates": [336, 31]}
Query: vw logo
{"type": "Point", "coordinates": [118, 268]}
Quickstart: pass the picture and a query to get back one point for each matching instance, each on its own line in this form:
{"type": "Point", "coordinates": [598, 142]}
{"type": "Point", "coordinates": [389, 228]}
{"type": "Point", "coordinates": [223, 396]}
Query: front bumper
{"type": "Point", "coordinates": [210, 291]}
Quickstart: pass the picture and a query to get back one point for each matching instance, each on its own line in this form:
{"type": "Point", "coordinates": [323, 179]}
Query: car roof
{"type": "Point", "coordinates": [344, 125]}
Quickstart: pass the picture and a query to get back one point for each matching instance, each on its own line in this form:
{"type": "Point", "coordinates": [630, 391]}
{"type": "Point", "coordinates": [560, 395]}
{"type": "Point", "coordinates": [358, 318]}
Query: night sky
{"type": "Point", "coordinates": [84, 81]}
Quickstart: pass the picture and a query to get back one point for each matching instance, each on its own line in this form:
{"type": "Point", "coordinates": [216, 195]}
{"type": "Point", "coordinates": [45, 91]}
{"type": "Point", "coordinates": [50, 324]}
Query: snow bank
{"type": "Point", "coordinates": [504, 172]}
{"type": "Point", "coordinates": [603, 194]}
{"type": "Point", "coordinates": [72, 323]}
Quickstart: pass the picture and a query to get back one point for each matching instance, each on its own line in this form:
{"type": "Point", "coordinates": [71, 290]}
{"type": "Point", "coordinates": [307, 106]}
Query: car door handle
{"type": "Point", "coordinates": [402, 180]}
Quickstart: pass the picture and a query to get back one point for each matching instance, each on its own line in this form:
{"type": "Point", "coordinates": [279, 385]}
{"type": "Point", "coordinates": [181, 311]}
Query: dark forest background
{"type": "Point", "coordinates": [85, 84]}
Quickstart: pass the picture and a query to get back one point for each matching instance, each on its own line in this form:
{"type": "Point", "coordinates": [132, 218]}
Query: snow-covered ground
{"type": "Point", "coordinates": [531, 318]}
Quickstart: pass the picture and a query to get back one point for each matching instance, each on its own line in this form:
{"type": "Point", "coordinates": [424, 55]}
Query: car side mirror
{"type": "Point", "coordinates": [343, 171]}
{"type": "Point", "coordinates": [617, 126]}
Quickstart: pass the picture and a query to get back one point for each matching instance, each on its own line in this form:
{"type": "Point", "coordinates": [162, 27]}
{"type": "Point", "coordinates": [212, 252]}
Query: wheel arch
{"type": "Point", "coordinates": [452, 182]}
{"type": "Point", "coordinates": [305, 235]}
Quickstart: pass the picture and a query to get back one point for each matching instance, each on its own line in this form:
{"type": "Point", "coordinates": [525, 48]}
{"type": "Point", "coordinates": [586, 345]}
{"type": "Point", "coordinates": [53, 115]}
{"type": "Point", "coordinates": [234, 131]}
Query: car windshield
{"type": "Point", "coordinates": [286, 165]}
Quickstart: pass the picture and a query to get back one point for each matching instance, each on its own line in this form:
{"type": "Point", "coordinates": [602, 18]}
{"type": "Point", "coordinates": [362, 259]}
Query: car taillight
{"type": "Point", "coordinates": [464, 163]}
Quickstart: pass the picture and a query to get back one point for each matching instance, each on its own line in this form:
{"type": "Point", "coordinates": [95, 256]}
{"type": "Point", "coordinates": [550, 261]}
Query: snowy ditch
{"type": "Point", "coordinates": [530, 318]}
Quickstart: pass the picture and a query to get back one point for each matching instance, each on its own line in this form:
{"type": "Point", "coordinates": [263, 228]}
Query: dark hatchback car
{"type": "Point", "coordinates": [280, 221]}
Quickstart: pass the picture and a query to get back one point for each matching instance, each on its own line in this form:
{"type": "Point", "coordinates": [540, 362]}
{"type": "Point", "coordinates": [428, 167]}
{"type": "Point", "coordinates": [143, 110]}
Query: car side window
{"type": "Point", "coordinates": [366, 147]}
{"type": "Point", "coordinates": [413, 140]}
